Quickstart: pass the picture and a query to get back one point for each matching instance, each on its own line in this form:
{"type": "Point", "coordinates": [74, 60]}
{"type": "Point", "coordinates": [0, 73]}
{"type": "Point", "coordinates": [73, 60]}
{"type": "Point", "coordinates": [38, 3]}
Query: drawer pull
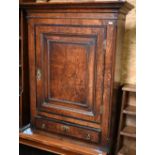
{"type": "Point", "coordinates": [88, 137]}
{"type": "Point", "coordinates": [65, 128]}
{"type": "Point", "coordinates": [43, 126]}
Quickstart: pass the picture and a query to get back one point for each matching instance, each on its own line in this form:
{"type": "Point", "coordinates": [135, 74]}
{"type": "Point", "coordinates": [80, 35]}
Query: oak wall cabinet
{"type": "Point", "coordinates": [74, 73]}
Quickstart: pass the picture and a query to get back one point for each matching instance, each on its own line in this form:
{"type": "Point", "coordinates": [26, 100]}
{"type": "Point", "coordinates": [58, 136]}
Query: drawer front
{"type": "Point", "coordinates": [80, 132]}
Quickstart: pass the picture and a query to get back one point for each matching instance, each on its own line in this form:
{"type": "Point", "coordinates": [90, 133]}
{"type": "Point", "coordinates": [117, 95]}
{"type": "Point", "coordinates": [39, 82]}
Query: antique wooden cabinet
{"type": "Point", "coordinates": [74, 53]}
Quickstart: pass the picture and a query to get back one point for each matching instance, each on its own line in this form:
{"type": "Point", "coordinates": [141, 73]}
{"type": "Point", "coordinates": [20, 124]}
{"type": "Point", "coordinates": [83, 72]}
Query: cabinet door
{"type": "Point", "coordinates": [67, 68]}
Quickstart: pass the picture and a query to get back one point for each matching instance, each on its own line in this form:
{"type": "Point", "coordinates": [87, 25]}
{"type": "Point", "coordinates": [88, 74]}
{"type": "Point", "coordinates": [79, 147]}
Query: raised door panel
{"type": "Point", "coordinates": [68, 78]}
{"type": "Point", "coordinates": [69, 69]}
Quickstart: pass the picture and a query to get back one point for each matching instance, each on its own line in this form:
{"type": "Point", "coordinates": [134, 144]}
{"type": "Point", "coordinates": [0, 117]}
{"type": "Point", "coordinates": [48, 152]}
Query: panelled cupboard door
{"type": "Point", "coordinates": [66, 70]}
{"type": "Point", "coordinates": [67, 64]}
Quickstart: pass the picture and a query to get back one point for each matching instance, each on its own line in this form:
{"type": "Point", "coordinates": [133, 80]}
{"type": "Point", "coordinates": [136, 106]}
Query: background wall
{"type": "Point", "coordinates": [129, 49]}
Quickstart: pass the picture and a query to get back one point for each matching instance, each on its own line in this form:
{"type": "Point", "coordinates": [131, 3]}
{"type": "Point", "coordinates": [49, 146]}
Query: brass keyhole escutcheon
{"type": "Point", "coordinates": [88, 137]}
{"type": "Point", "coordinates": [65, 128]}
{"type": "Point", "coordinates": [38, 74]}
{"type": "Point", "coordinates": [43, 126]}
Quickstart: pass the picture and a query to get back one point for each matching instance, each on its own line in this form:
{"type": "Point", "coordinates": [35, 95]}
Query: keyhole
{"type": "Point", "coordinates": [38, 74]}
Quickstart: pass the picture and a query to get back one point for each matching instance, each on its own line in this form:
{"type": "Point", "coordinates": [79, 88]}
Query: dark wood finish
{"type": "Point", "coordinates": [74, 70]}
{"type": "Point", "coordinates": [80, 132]}
{"type": "Point", "coordinates": [24, 102]}
{"type": "Point", "coordinates": [68, 70]}
{"type": "Point", "coordinates": [20, 68]}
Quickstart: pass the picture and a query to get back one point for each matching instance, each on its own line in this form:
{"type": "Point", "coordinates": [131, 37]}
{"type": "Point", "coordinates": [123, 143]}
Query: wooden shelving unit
{"type": "Point", "coordinates": [129, 131]}
{"type": "Point", "coordinates": [126, 130]}
{"type": "Point", "coordinates": [130, 110]}
{"type": "Point", "coordinates": [126, 151]}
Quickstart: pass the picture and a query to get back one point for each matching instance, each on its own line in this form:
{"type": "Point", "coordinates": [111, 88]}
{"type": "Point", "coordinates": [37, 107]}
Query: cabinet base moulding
{"type": "Point", "coordinates": [58, 144]}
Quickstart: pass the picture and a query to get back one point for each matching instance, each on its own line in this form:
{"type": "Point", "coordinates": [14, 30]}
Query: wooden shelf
{"type": "Point", "coordinates": [130, 110]}
{"type": "Point", "coordinates": [126, 151]}
{"type": "Point", "coordinates": [129, 87]}
{"type": "Point", "coordinates": [129, 131]}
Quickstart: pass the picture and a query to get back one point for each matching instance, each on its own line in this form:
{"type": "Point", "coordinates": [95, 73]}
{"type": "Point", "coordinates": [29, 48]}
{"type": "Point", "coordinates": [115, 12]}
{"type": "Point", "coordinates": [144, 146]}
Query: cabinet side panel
{"type": "Point", "coordinates": [108, 81]}
{"type": "Point", "coordinates": [119, 50]}
{"type": "Point", "coordinates": [116, 97]}
{"type": "Point", "coordinates": [25, 104]}
{"type": "Point", "coordinates": [32, 70]}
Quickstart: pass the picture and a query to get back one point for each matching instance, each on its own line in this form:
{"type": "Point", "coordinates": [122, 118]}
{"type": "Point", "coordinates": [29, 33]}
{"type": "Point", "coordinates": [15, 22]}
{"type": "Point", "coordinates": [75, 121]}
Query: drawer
{"type": "Point", "coordinates": [64, 128]}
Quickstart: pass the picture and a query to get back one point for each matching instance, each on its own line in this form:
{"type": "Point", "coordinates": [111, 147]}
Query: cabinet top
{"type": "Point", "coordinates": [120, 5]}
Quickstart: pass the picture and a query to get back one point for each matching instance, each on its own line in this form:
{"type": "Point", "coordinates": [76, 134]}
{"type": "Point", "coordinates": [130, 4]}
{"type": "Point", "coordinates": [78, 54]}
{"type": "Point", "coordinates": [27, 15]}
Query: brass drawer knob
{"type": "Point", "coordinates": [43, 126]}
{"type": "Point", "coordinates": [88, 137]}
{"type": "Point", "coordinates": [65, 128]}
